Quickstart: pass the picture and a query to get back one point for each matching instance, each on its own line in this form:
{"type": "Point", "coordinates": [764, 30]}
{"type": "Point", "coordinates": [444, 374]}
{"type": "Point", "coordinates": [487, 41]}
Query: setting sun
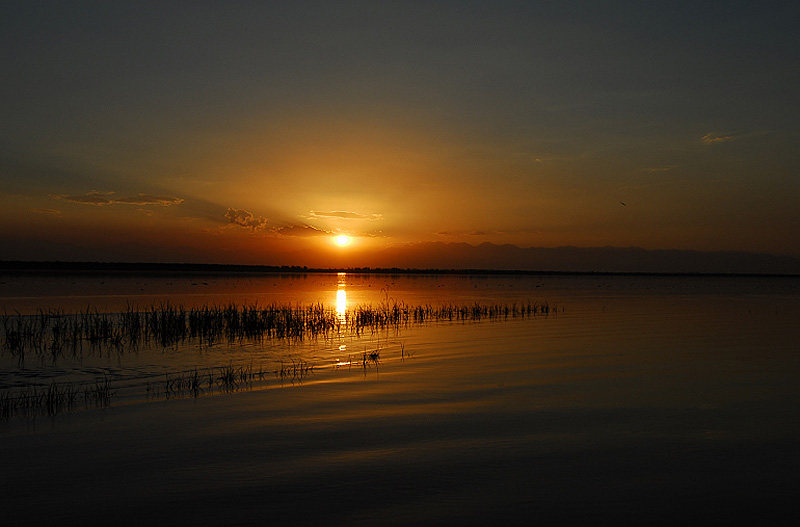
{"type": "Point", "coordinates": [341, 240]}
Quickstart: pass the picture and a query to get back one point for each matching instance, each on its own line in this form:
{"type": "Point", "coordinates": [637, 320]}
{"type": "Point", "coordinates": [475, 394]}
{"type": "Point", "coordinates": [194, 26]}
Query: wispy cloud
{"type": "Point", "coordinates": [713, 138]}
{"type": "Point", "coordinates": [149, 199]}
{"type": "Point", "coordinates": [108, 198]}
{"type": "Point", "coordinates": [344, 215]}
{"type": "Point", "coordinates": [246, 219]}
{"type": "Point", "coordinates": [301, 230]}
{"type": "Point", "coordinates": [47, 211]}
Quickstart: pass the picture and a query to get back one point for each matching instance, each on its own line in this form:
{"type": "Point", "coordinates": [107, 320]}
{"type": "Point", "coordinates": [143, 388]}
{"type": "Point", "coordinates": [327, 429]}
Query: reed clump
{"type": "Point", "coordinates": [224, 379]}
{"type": "Point", "coordinates": [51, 399]}
{"type": "Point", "coordinates": [295, 370]}
{"type": "Point", "coordinates": [370, 358]}
{"type": "Point", "coordinates": [54, 398]}
{"type": "Point", "coordinates": [51, 335]}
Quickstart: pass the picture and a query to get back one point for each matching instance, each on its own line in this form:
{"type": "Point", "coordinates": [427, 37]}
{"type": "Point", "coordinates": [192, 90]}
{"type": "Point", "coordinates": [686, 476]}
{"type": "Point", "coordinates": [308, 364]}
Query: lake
{"type": "Point", "coordinates": [554, 399]}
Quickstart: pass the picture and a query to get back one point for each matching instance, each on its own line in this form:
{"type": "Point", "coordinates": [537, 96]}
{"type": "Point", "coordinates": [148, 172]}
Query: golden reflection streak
{"type": "Point", "coordinates": [341, 299]}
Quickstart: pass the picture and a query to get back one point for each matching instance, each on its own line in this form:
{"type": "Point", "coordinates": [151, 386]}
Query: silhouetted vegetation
{"type": "Point", "coordinates": [49, 336]}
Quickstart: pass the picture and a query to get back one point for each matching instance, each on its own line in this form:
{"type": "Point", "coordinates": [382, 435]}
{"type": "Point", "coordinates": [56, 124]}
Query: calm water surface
{"type": "Point", "coordinates": [637, 399]}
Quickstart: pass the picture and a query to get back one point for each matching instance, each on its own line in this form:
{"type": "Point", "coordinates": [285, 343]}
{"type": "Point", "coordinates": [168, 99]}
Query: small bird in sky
{"type": "Point", "coordinates": [622, 203]}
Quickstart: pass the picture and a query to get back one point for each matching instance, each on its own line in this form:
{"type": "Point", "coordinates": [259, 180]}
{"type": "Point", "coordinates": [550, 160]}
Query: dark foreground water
{"type": "Point", "coordinates": [638, 400]}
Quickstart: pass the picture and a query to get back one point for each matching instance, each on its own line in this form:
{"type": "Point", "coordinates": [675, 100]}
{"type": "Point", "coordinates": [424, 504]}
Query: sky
{"type": "Point", "coordinates": [253, 132]}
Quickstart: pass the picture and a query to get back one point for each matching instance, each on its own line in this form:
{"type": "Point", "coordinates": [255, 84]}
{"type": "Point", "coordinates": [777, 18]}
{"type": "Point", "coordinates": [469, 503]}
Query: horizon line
{"type": "Point", "coordinates": [151, 267]}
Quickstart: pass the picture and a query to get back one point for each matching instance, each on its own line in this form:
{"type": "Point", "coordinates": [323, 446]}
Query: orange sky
{"type": "Point", "coordinates": [252, 133]}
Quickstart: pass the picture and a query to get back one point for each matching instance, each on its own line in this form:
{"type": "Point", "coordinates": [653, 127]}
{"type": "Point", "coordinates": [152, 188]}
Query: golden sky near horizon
{"type": "Point", "coordinates": [252, 133]}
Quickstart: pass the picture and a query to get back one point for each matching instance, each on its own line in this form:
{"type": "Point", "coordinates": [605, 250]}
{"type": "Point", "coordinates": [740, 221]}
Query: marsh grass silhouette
{"type": "Point", "coordinates": [54, 398]}
{"type": "Point", "coordinates": [49, 336]}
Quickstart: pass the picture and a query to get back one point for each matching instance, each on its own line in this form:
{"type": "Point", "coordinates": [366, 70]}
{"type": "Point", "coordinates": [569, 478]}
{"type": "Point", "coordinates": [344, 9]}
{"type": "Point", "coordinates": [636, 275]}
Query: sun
{"type": "Point", "coordinates": [341, 240]}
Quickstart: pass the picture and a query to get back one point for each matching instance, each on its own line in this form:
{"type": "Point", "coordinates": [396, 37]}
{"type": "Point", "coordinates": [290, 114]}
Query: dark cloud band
{"type": "Point", "coordinates": [107, 198]}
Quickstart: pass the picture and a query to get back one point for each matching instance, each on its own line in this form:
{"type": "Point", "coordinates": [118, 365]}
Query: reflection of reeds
{"type": "Point", "coordinates": [50, 335]}
{"type": "Point", "coordinates": [54, 398]}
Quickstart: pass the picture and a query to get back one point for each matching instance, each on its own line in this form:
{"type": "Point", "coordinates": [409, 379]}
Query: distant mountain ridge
{"type": "Point", "coordinates": [442, 255]}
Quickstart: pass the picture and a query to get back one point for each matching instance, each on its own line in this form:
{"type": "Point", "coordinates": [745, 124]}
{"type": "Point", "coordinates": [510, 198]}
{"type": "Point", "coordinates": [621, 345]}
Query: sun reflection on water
{"type": "Point", "coordinates": [341, 299]}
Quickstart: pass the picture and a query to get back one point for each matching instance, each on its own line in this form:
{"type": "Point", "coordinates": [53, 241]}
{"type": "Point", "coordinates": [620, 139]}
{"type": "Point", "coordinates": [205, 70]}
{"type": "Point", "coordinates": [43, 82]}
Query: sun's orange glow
{"type": "Point", "coordinates": [342, 240]}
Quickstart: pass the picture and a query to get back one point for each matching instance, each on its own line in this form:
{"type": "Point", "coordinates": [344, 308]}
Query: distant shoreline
{"type": "Point", "coordinates": [38, 267]}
